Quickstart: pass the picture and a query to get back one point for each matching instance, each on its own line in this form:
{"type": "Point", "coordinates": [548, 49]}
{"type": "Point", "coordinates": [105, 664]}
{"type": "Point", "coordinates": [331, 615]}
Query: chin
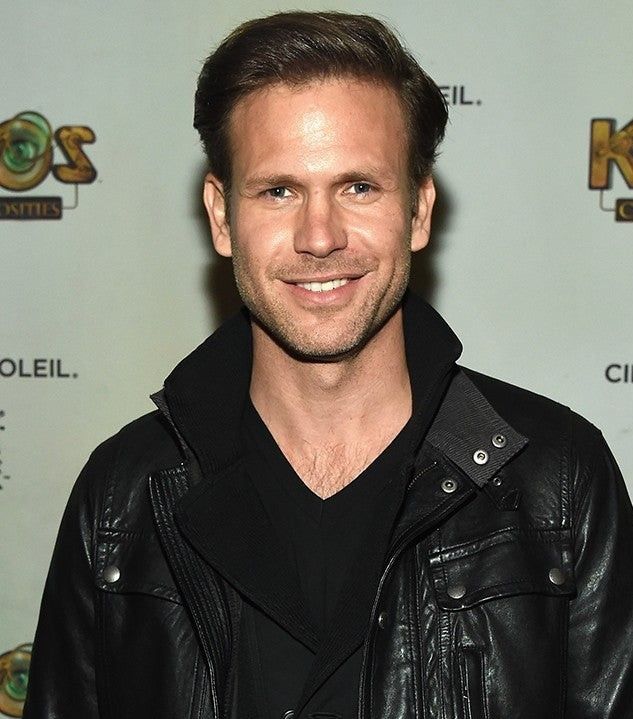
{"type": "Point", "coordinates": [318, 349]}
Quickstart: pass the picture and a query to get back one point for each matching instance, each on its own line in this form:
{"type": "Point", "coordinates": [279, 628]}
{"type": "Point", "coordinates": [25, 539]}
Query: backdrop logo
{"type": "Point", "coordinates": [27, 149]}
{"type": "Point", "coordinates": [14, 677]}
{"type": "Point", "coordinates": [611, 148]}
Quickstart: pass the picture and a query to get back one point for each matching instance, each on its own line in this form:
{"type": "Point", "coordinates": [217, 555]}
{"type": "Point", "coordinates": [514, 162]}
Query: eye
{"type": "Point", "coordinates": [360, 190]}
{"type": "Point", "coordinates": [277, 193]}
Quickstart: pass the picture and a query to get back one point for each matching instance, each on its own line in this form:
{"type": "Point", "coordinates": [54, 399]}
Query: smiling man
{"type": "Point", "coordinates": [327, 517]}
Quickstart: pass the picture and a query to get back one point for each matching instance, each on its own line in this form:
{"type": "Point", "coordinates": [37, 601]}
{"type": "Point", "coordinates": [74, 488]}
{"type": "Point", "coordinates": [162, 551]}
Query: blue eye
{"type": "Point", "coordinates": [277, 192]}
{"type": "Point", "coordinates": [361, 188]}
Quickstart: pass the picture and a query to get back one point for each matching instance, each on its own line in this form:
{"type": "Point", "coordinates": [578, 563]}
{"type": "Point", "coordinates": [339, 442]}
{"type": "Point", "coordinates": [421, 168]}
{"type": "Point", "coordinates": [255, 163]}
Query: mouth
{"type": "Point", "coordinates": [314, 286]}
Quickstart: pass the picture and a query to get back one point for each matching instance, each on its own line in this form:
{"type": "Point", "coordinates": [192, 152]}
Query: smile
{"type": "Point", "coordinates": [323, 286]}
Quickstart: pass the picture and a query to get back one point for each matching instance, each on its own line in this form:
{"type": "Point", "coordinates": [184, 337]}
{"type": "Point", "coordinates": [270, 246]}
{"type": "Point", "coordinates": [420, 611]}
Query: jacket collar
{"type": "Point", "coordinates": [470, 433]}
{"type": "Point", "coordinates": [216, 375]}
{"type": "Point", "coordinates": [206, 392]}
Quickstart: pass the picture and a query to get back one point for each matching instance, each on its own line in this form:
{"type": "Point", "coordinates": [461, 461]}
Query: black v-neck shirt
{"type": "Point", "coordinates": [322, 539]}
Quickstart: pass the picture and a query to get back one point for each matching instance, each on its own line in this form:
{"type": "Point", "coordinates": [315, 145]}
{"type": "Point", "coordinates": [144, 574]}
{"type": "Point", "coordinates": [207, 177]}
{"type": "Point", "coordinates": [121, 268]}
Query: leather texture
{"type": "Point", "coordinates": [507, 589]}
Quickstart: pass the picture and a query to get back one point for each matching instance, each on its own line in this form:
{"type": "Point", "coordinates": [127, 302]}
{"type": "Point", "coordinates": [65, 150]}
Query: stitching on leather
{"type": "Point", "coordinates": [444, 620]}
{"type": "Point", "coordinates": [108, 495]}
{"type": "Point", "coordinates": [422, 472]}
{"type": "Point", "coordinates": [413, 641]}
{"type": "Point", "coordinates": [528, 532]}
{"type": "Point", "coordinates": [111, 534]}
{"type": "Point", "coordinates": [162, 591]}
{"type": "Point", "coordinates": [444, 577]}
{"type": "Point", "coordinates": [440, 668]}
{"type": "Point", "coordinates": [519, 536]}
{"type": "Point", "coordinates": [104, 550]}
{"type": "Point", "coordinates": [565, 463]}
{"type": "Point", "coordinates": [583, 485]}
{"type": "Point", "coordinates": [423, 678]}
{"type": "Point", "coordinates": [463, 683]}
{"type": "Point", "coordinates": [484, 689]}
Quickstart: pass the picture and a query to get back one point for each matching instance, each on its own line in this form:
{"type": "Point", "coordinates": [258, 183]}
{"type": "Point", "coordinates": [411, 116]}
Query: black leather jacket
{"type": "Point", "coordinates": [507, 590]}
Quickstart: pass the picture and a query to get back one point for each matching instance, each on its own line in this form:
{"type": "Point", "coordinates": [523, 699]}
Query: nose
{"type": "Point", "coordinates": [319, 229]}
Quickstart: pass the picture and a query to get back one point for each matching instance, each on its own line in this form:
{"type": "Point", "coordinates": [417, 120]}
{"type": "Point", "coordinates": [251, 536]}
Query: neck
{"type": "Point", "coordinates": [356, 405]}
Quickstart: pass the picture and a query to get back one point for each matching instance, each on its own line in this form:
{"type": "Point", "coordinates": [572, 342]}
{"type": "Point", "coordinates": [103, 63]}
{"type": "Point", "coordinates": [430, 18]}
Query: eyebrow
{"type": "Point", "coordinates": [370, 174]}
{"type": "Point", "coordinates": [260, 181]}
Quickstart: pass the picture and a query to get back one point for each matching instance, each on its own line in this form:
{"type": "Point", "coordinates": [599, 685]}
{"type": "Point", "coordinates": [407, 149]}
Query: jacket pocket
{"type": "Point", "coordinates": [503, 601]}
{"type": "Point", "coordinates": [148, 662]}
{"type": "Point", "coordinates": [508, 562]}
{"type": "Point", "coordinates": [133, 563]}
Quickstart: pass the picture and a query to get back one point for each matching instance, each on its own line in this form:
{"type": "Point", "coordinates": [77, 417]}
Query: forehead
{"type": "Point", "coordinates": [304, 124]}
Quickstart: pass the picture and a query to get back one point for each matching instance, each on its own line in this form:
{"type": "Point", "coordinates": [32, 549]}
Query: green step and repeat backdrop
{"type": "Point", "coordinates": [107, 276]}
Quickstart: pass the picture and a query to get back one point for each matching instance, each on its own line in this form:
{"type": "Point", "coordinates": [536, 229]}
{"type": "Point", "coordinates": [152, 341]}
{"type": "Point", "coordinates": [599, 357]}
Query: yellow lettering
{"type": "Point", "coordinates": [609, 146]}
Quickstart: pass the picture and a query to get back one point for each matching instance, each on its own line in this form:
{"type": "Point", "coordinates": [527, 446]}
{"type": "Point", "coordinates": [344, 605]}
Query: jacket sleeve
{"type": "Point", "coordinates": [62, 676]}
{"type": "Point", "coordinates": [600, 631]}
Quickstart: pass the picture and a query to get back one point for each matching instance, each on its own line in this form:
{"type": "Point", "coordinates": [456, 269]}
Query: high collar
{"type": "Point", "coordinates": [207, 390]}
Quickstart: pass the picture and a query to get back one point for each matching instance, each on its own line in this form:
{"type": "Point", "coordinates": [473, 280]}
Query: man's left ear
{"type": "Point", "coordinates": [421, 220]}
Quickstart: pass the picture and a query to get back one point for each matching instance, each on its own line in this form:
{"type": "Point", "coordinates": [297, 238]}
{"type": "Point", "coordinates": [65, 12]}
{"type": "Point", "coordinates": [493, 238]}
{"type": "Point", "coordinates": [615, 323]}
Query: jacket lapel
{"type": "Point", "coordinates": [227, 524]}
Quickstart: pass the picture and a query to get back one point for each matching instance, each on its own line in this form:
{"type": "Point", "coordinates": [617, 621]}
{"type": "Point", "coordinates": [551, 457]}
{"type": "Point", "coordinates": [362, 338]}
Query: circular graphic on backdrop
{"type": "Point", "coordinates": [14, 677]}
{"type": "Point", "coordinates": [26, 151]}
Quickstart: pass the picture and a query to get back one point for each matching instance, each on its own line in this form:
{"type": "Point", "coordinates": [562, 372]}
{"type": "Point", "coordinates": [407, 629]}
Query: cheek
{"type": "Point", "coordinates": [262, 235]}
{"type": "Point", "coordinates": [385, 229]}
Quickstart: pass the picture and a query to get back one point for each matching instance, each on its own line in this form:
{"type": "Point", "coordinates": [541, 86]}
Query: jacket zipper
{"type": "Point", "coordinates": [397, 549]}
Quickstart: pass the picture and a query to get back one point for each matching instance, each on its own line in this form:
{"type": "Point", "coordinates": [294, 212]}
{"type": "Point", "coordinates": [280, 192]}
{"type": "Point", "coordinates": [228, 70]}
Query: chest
{"type": "Point", "coordinates": [327, 469]}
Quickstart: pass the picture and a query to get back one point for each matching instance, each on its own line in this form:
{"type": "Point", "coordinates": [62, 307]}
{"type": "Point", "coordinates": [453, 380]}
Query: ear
{"type": "Point", "coordinates": [215, 203]}
{"type": "Point", "coordinates": [421, 221]}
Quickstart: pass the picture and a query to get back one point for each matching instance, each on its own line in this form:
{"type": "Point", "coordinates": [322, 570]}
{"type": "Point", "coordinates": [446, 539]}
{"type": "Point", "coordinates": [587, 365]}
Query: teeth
{"type": "Point", "coordinates": [323, 286]}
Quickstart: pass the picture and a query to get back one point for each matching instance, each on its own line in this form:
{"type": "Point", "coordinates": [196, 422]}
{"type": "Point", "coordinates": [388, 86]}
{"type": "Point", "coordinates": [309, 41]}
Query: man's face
{"type": "Point", "coordinates": [322, 223]}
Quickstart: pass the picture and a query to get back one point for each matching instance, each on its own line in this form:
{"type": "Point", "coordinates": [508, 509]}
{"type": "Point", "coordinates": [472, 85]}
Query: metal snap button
{"type": "Point", "coordinates": [456, 591]}
{"type": "Point", "coordinates": [499, 440]}
{"type": "Point", "coordinates": [497, 481]}
{"type": "Point", "coordinates": [557, 576]}
{"type": "Point", "coordinates": [480, 456]}
{"type": "Point", "coordinates": [289, 714]}
{"type": "Point", "coordinates": [111, 574]}
{"type": "Point", "coordinates": [382, 620]}
{"type": "Point", "coordinates": [449, 486]}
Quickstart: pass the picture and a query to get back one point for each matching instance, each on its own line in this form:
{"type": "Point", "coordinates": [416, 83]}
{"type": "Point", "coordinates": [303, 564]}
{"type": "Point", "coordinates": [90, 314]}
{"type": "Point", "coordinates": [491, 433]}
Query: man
{"type": "Point", "coordinates": [327, 517]}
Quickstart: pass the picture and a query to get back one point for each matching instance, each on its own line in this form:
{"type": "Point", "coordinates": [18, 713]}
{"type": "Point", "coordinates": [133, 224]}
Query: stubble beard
{"type": "Point", "coordinates": [284, 327]}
